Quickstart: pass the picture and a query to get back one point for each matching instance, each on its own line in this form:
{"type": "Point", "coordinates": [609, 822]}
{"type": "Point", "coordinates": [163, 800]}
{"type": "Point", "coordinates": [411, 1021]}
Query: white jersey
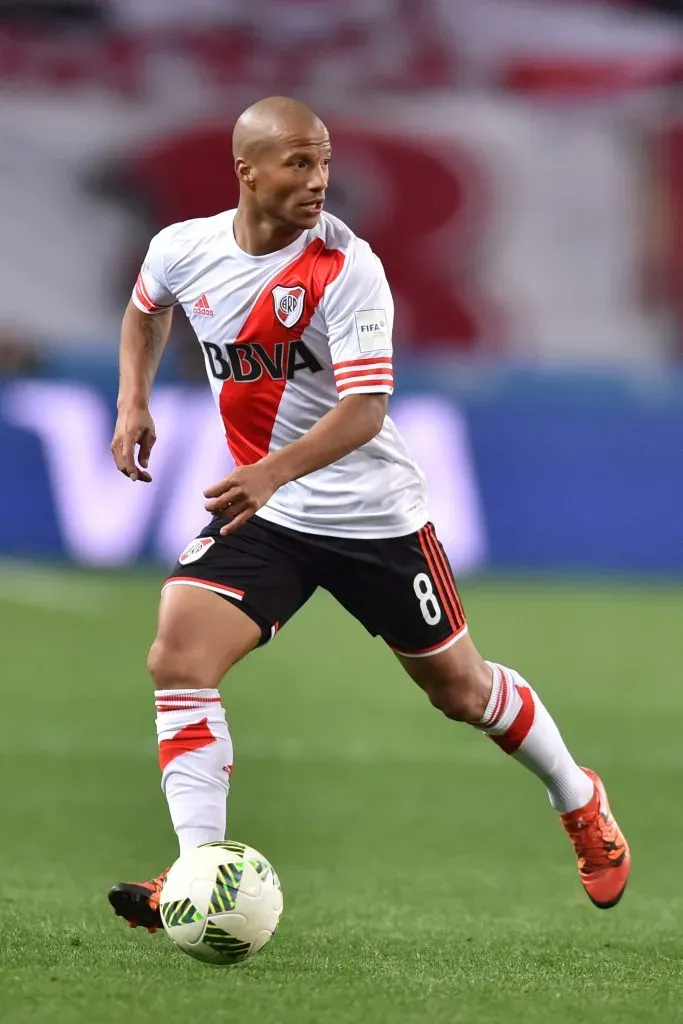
{"type": "Point", "coordinates": [285, 337]}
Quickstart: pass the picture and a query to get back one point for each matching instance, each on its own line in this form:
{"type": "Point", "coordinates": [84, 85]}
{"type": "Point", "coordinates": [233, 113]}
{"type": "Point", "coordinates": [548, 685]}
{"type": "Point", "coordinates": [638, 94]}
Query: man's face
{"type": "Point", "coordinates": [291, 175]}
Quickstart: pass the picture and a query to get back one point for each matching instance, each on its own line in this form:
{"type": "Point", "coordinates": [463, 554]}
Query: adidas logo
{"type": "Point", "coordinates": [202, 306]}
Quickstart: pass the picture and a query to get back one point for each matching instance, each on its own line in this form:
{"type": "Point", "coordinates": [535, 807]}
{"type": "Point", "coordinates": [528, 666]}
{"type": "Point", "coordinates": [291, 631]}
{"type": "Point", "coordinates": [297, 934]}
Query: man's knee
{"type": "Point", "coordinates": [174, 669]}
{"type": "Point", "coordinates": [457, 681]}
{"type": "Point", "coordinates": [462, 697]}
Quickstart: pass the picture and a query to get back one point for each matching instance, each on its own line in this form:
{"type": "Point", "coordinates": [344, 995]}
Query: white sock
{"type": "Point", "coordinates": [195, 756]}
{"type": "Point", "coordinates": [518, 722]}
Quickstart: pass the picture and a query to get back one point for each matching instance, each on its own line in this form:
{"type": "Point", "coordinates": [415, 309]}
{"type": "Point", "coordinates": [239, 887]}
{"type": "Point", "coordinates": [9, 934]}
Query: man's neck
{"type": "Point", "coordinates": [259, 237]}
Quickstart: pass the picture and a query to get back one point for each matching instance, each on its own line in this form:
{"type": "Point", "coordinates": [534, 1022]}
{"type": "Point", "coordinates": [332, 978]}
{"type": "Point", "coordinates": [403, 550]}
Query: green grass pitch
{"type": "Point", "coordinates": [426, 879]}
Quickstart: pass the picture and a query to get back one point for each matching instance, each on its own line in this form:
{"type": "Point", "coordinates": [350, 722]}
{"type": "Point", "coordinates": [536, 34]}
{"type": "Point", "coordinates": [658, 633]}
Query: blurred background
{"type": "Point", "coordinates": [517, 165]}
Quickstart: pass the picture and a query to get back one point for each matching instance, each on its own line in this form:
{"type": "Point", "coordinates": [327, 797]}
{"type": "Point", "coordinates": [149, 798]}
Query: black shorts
{"type": "Point", "coordinates": [399, 588]}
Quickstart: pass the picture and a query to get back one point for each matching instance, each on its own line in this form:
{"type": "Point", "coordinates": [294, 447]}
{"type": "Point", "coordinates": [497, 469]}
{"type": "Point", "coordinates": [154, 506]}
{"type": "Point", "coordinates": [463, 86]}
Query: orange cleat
{"type": "Point", "coordinates": [601, 848]}
{"type": "Point", "coordinates": [138, 902]}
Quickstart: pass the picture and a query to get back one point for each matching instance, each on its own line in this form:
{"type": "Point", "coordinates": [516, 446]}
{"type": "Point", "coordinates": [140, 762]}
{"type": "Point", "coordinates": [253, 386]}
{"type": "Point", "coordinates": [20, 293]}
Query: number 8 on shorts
{"type": "Point", "coordinates": [429, 605]}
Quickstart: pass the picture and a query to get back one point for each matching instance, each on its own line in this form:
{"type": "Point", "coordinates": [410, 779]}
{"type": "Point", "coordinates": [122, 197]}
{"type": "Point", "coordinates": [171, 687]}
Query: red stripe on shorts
{"type": "Point", "coordinates": [232, 591]}
{"type": "Point", "coordinates": [423, 539]}
{"type": "Point", "coordinates": [448, 575]}
{"type": "Point", "coordinates": [441, 569]}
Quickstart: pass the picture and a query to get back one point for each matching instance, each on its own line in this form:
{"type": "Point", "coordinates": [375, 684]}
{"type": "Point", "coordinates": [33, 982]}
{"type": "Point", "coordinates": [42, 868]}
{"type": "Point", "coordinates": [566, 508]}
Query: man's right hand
{"type": "Point", "coordinates": [134, 426]}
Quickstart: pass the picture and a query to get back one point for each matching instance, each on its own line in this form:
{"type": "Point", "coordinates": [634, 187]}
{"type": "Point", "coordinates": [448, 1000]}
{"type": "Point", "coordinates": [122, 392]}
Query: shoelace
{"type": "Point", "coordinates": [596, 843]}
{"type": "Point", "coordinates": [158, 884]}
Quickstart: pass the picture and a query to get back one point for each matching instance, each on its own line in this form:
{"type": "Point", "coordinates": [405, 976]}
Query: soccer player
{"type": "Point", "coordinates": [294, 316]}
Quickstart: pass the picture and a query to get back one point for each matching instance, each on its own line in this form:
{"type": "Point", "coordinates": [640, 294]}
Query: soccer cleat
{"type": "Point", "coordinates": [138, 902]}
{"type": "Point", "coordinates": [601, 848]}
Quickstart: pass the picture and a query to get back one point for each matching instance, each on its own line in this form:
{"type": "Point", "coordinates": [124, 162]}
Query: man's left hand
{"type": "Point", "coordinates": [240, 494]}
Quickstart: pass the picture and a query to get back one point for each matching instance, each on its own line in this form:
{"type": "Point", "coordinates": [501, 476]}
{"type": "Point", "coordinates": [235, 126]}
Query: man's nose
{"type": "Point", "coordinates": [318, 179]}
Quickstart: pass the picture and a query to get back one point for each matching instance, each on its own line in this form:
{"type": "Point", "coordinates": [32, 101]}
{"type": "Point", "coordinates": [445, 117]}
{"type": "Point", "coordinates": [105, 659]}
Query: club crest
{"type": "Point", "coordinates": [195, 549]}
{"type": "Point", "coordinates": [289, 304]}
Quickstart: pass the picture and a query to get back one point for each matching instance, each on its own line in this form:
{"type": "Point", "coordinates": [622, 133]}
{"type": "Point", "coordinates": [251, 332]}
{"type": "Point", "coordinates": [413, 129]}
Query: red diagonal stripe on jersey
{"type": "Point", "coordinates": [192, 737]}
{"type": "Point", "coordinates": [249, 409]}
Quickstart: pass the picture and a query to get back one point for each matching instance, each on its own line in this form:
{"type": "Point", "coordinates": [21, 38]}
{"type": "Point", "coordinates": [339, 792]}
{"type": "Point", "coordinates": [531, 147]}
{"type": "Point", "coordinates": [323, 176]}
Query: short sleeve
{"type": "Point", "coordinates": [152, 292]}
{"type": "Point", "coordinates": [359, 316]}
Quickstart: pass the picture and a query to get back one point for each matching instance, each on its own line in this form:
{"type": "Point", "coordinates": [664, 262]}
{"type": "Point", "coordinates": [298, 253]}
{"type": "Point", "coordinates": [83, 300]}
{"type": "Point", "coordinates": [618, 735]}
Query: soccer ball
{"type": "Point", "coordinates": [221, 902]}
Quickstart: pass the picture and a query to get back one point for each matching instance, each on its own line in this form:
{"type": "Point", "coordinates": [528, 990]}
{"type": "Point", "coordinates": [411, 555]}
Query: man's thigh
{"type": "Point", "coordinates": [400, 588]}
{"type": "Point", "coordinates": [199, 638]}
{"type": "Point", "coordinates": [261, 571]}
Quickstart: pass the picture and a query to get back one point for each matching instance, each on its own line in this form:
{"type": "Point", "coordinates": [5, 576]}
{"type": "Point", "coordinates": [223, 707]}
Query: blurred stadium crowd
{"type": "Point", "coordinates": [517, 164]}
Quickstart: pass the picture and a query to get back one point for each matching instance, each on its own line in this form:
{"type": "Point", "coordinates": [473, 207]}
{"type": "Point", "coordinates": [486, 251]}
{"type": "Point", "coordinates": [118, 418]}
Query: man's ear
{"type": "Point", "coordinates": [245, 173]}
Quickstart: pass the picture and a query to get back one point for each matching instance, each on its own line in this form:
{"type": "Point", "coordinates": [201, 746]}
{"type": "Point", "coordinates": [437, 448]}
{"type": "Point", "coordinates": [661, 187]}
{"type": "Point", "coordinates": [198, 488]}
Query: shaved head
{"type": "Point", "coordinates": [282, 156]}
{"type": "Point", "coordinates": [275, 119]}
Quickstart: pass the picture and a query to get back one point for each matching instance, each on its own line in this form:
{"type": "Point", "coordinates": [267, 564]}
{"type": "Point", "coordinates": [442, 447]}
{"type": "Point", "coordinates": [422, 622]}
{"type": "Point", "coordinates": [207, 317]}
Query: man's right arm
{"type": "Point", "coordinates": [144, 333]}
{"type": "Point", "coordinates": [143, 339]}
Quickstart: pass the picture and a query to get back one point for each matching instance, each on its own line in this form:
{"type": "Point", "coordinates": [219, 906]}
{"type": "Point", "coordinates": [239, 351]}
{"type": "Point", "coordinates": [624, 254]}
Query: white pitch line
{"type": "Point", "coordinates": [58, 744]}
{"type": "Point", "coordinates": [36, 586]}
{"type": "Point", "coordinates": [47, 743]}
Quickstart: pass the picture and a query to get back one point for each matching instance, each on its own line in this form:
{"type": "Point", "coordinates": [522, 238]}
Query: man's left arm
{"type": "Point", "coordinates": [352, 423]}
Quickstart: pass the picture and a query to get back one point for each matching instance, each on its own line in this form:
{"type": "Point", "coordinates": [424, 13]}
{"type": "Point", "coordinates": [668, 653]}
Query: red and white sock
{"type": "Point", "coordinates": [195, 757]}
{"type": "Point", "coordinates": [518, 722]}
